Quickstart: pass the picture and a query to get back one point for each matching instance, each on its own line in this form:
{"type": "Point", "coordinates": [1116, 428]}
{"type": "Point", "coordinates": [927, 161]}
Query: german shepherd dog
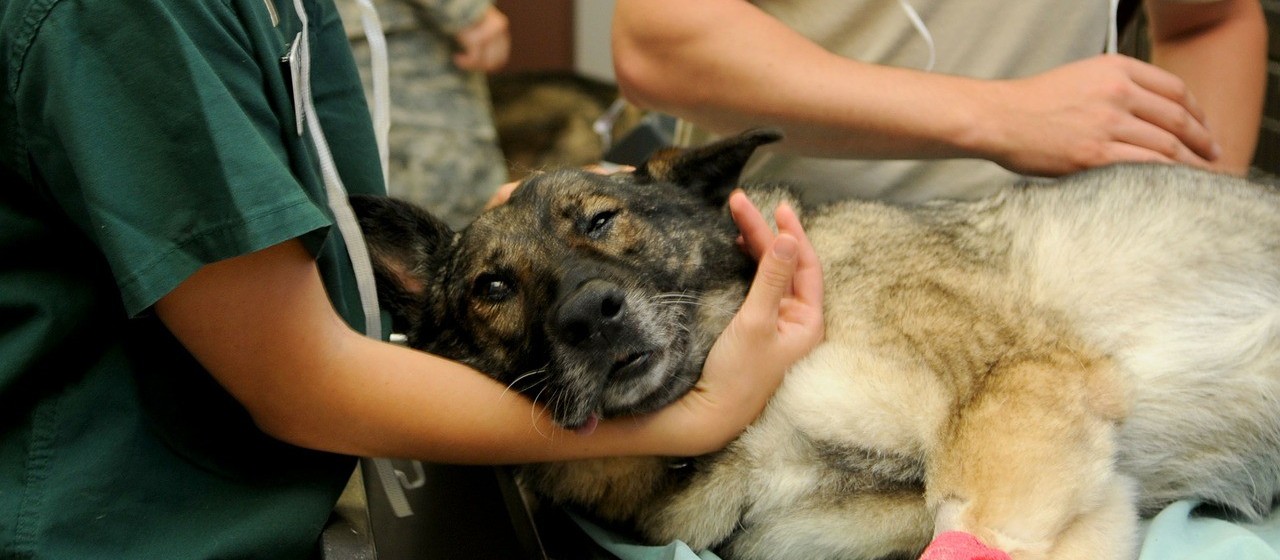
{"type": "Point", "coordinates": [1038, 368]}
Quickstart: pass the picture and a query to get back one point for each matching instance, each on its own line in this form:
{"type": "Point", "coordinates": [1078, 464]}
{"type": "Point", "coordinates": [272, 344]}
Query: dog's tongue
{"type": "Point", "coordinates": [589, 427]}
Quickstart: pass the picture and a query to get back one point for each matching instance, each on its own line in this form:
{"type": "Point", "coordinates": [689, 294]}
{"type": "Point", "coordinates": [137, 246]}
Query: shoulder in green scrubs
{"type": "Point", "coordinates": [141, 140]}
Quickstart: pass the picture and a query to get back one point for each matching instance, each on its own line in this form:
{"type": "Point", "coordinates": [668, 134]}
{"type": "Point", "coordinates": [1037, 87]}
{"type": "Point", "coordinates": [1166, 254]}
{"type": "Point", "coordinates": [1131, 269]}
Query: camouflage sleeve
{"type": "Point", "coordinates": [452, 15]}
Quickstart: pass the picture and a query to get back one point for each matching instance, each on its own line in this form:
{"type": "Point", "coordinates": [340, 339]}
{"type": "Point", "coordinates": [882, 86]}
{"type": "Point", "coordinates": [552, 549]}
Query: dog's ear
{"type": "Point", "coordinates": [401, 238]}
{"type": "Point", "coordinates": [711, 170]}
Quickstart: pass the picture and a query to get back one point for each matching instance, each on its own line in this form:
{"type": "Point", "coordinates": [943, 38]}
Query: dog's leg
{"type": "Point", "coordinates": [1026, 464]}
{"type": "Point", "coordinates": [1108, 531]}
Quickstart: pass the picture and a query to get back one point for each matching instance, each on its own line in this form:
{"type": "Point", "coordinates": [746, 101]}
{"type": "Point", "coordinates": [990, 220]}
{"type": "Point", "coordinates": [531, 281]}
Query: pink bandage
{"type": "Point", "coordinates": [958, 545]}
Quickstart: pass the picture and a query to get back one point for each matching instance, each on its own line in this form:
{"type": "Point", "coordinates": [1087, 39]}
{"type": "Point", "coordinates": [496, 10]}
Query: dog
{"type": "Point", "coordinates": [1039, 368]}
{"type": "Point", "coordinates": [549, 119]}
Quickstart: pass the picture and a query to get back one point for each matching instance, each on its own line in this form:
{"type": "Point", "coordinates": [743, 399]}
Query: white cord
{"type": "Point", "coordinates": [1113, 30]}
{"type": "Point", "coordinates": [350, 229]}
{"type": "Point", "coordinates": [337, 194]}
{"type": "Point", "coordinates": [918, 23]}
{"type": "Point", "coordinates": [381, 82]}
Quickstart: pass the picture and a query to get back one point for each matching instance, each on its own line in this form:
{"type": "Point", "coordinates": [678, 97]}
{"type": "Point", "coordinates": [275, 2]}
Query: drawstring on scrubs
{"type": "Point", "coordinates": [1113, 32]}
{"type": "Point", "coordinates": [337, 195]}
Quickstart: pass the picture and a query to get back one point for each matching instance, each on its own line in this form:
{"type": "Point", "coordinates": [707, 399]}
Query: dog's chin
{"type": "Point", "coordinates": [645, 385]}
{"type": "Point", "coordinates": [637, 383]}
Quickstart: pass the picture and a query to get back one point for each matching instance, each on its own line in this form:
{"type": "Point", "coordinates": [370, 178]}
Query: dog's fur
{"type": "Point", "coordinates": [547, 119]}
{"type": "Point", "coordinates": [1037, 368]}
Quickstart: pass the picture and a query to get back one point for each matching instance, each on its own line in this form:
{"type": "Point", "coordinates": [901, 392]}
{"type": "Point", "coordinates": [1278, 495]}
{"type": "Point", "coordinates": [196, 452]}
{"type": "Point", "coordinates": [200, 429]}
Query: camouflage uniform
{"type": "Point", "coordinates": [444, 151]}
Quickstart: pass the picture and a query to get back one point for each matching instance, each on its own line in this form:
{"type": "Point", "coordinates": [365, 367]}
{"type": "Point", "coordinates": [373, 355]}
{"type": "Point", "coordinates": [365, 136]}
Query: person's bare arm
{"type": "Point", "coordinates": [1220, 50]}
{"type": "Point", "coordinates": [263, 326]}
{"type": "Point", "coordinates": [726, 65]}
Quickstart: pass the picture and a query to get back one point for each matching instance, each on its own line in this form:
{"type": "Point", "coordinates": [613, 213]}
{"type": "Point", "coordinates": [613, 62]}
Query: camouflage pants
{"type": "Point", "coordinates": [443, 148]}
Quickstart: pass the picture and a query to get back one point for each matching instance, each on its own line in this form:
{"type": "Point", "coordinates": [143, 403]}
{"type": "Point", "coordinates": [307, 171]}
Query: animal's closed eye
{"type": "Point", "coordinates": [598, 224]}
{"type": "Point", "coordinates": [493, 288]}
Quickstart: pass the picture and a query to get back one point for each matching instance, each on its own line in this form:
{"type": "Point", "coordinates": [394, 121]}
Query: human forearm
{"type": "Point", "coordinates": [262, 325]}
{"type": "Point", "coordinates": [726, 65]}
{"type": "Point", "coordinates": [1219, 50]}
{"type": "Point", "coordinates": [407, 403]}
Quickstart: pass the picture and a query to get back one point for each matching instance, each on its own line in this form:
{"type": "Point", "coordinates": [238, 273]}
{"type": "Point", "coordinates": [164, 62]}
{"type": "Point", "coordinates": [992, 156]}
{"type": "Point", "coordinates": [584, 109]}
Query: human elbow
{"type": "Point", "coordinates": [638, 80]}
{"type": "Point", "coordinates": [291, 423]}
{"type": "Point", "coordinates": [651, 70]}
{"type": "Point", "coordinates": [282, 426]}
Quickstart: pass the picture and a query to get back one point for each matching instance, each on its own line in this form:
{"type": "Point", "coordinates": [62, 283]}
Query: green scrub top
{"type": "Point", "coordinates": [142, 139]}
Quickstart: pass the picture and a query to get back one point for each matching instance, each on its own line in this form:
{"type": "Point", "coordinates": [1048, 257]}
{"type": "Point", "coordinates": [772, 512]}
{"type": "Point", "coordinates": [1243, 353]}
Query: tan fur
{"type": "Point", "coordinates": [956, 351]}
{"type": "Point", "coordinates": [545, 119]}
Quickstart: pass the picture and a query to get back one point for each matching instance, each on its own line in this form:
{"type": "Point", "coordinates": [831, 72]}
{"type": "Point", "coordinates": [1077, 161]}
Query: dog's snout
{"type": "Point", "coordinates": [595, 309]}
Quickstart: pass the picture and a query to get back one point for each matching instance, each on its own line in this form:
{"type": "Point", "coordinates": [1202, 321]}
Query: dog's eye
{"type": "Point", "coordinates": [493, 288]}
{"type": "Point", "coordinates": [598, 224]}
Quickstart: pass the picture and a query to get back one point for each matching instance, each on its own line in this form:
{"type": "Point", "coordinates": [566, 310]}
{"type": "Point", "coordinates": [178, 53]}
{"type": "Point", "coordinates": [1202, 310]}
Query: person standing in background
{"type": "Point", "coordinates": [443, 146]}
{"type": "Point", "coordinates": [920, 99]}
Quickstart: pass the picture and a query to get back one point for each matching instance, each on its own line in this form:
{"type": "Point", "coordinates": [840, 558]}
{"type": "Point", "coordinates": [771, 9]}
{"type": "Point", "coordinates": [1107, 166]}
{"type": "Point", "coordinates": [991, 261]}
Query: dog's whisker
{"type": "Point", "coordinates": [674, 296]}
{"type": "Point", "coordinates": [671, 297]}
{"type": "Point", "coordinates": [533, 414]}
{"type": "Point", "coordinates": [524, 376]}
{"type": "Point", "coordinates": [682, 298]}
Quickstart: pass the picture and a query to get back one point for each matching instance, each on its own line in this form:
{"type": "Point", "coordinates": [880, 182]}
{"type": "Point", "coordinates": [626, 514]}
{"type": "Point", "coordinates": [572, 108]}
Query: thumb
{"type": "Point", "coordinates": [773, 277]}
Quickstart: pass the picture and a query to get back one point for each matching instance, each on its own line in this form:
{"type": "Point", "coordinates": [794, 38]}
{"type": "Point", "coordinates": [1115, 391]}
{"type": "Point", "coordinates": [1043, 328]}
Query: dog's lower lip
{"type": "Point", "coordinates": [631, 364]}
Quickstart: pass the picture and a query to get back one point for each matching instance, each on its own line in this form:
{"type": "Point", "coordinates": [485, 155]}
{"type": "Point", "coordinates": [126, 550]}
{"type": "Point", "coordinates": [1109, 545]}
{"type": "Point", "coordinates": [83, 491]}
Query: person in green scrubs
{"type": "Point", "coordinates": [182, 373]}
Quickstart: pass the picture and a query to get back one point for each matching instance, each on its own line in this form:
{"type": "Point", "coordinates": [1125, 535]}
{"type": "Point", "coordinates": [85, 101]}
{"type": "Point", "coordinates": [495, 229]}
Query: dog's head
{"type": "Point", "coordinates": [597, 295]}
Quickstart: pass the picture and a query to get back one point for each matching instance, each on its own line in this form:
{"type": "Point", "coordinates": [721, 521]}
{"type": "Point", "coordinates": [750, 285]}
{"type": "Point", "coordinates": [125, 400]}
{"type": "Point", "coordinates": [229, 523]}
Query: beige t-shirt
{"type": "Point", "coordinates": [986, 39]}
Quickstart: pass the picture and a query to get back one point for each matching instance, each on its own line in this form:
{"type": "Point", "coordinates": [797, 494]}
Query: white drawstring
{"type": "Point", "coordinates": [381, 110]}
{"type": "Point", "coordinates": [337, 194]}
{"type": "Point", "coordinates": [921, 28]}
{"type": "Point", "coordinates": [1113, 29]}
{"type": "Point", "coordinates": [343, 215]}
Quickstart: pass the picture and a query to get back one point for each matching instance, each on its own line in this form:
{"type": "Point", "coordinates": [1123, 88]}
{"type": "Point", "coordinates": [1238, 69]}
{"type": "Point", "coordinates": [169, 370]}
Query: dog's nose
{"type": "Point", "coordinates": [594, 310]}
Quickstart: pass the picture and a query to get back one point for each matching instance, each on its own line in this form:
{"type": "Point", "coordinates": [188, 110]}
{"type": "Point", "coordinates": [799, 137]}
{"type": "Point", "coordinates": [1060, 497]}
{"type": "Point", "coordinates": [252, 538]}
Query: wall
{"type": "Point", "coordinates": [560, 35]}
{"type": "Point", "coordinates": [1268, 155]}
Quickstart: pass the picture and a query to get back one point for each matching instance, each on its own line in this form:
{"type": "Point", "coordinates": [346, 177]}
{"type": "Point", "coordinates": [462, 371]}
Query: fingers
{"type": "Point", "coordinates": [606, 168]}
{"type": "Point", "coordinates": [756, 233]}
{"type": "Point", "coordinates": [480, 57]}
{"type": "Point", "coordinates": [789, 275]}
{"type": "Point", "coordinates": [772, 282]}
{"type": "Point", "coordinates": [1163, 83]}
{"type": "Point", "coordinates": [501, 195]}
{"type": "Point", "coordinates": [1099, 111]}
{"type": "Point", "coordinates": [790, 247]}
{"type": "Point", "coordinates": [807, 284]}
{"type": "Point", "coordinates": [1164, 101]}
{"type": "Point", "coordinates": [1144, 141]}
{"type": "Point", "coordinates": [486, 45]}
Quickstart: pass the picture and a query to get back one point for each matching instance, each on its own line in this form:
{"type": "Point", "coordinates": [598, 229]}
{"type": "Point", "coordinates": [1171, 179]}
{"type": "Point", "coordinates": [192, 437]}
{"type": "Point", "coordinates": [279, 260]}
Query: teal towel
{"type": "Point", "coordinates": [1177, 533]}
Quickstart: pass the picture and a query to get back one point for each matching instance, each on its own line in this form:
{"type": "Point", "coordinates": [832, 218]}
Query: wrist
{"type": "Point", "coordinates": [977, 121]}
